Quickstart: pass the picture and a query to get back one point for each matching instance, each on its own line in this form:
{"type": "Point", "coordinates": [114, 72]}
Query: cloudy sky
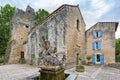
{"type": "Point", "coordinates": [93, 11]}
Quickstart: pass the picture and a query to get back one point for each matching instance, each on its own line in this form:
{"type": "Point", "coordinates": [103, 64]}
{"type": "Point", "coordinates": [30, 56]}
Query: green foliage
{"type": "Point", "coordinates": [89, 57]}
{"type": "Point", "coordinates": [117, 49]}
{"type": "Point", "coordinates": [40, 15]}
{"type": "Point", "coordinates": [1, 59]}
{"type": "Point", "coordinates": [5, 17]}
{"type": "Point", "coordinates": [117, 58]}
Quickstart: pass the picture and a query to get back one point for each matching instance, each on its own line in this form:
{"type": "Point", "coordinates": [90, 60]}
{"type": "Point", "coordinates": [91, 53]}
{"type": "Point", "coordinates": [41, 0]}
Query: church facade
{"type": "Point", "coordinates": [65, 30]}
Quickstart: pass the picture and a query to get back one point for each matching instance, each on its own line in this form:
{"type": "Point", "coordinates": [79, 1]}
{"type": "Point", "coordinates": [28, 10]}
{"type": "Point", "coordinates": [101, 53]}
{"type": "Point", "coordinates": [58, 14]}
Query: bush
{"type": "Point", "coordinates": [89, 57]}
{"type": "Point", "coordinates": [1, 60]}
{"type": "Point", "coordinates": [117, 59]}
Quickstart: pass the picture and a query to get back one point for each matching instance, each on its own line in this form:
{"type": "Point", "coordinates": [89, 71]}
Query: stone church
{"type": "Point", "coordinates": [65, 30]}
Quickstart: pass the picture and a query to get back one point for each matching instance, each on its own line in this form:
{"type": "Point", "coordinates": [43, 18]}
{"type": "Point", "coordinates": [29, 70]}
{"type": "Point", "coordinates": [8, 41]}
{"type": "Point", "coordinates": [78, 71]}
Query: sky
{"type": "Point", "coordinates": [93, 11]}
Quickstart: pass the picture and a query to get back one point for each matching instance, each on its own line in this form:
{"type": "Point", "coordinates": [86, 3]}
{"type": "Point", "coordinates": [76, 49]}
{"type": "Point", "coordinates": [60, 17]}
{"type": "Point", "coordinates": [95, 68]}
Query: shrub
{"type": "Point", "coordinates": [1, 60]}
{"type": "Point", "coordinates": [117, 59]}
{"type": "Point", "coordinates": [89, 57]}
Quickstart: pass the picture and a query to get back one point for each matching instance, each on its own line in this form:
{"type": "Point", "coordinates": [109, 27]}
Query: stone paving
{"type": "Point", "coordinates": [17, 71]}
{"type": "Point", "coordinates": [96, 72]}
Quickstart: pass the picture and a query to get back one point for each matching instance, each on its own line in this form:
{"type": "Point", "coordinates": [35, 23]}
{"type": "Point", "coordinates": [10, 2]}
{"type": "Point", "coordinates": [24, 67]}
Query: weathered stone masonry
{"type": "Point", "coordinates": [64, 29]}
{"type": "Point", "coordinates": [21, 23]}
{"type": "Point", "coordinates": [61, 34]}
{"type": "Point", "coordinates": [107, 40]}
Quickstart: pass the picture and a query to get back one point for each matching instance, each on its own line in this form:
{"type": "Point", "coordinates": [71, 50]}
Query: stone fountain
{"type": "Point", "coordinates": [53, 63]}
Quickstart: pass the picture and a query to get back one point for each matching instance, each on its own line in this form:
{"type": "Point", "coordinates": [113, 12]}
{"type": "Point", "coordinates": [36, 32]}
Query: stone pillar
{"type": "Point", "coordinates": [52, 73]}
{"type": "Point", "coordinates": [77, 59]}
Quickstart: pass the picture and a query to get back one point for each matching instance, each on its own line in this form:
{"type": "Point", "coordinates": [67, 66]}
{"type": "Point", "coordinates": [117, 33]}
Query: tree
{"type": "Point", "coordinates": [40, 15]}
{"type": "Point", "coordinates": [5, 17]}
{"type": "Point", "coordinates": [117, 49]}
{"type": "Point", "coordinates": [117, 46]}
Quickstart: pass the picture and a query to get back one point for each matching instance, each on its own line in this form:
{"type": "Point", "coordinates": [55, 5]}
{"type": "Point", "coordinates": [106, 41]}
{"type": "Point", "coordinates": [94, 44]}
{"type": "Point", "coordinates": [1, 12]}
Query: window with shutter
{"type": "Point", "coordinates": [94, 34]}
{"type": "Point", "coordinates": [102, 58]}
{"type": "Point", "coordinates": [95, 46]}
{"type": "Point", "coordinates": [94, 58]}
{"type": "Point", "coordinates": [100, 33]}
{"type": "Point", "coordinates": [99, 45]}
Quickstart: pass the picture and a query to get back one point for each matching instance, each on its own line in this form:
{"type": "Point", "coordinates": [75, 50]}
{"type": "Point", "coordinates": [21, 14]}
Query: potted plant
{"type": "Point", "coordinates": [89, 59]}
{"type": "Point", "coordinates": [80, 68]}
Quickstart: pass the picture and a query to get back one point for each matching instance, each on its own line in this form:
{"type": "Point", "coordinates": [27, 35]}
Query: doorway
{"type": "Point", "coordinates": [22, 58]}
{"type": "Point", "coordinates": [22, 55]}
{"type": "Point", "coordinates": [97, 58]}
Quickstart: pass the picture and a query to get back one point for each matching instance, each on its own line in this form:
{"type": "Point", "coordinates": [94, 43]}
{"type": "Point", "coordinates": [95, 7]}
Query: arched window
{"type": "Point", "coordinates": [78, 28]}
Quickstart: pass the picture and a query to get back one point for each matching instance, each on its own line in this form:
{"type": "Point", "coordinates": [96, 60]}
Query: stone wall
{"type": "Point", "coordinates": [65, 29]}
{"type": "Point", "coordinates": [60, 28]}
{"type": "Point", "coordinates": [53, 30]}
{"type": "Point", "coordinates": [75, 34]}
{"type": "Point", "coordinates": [21, 23]}
{"type": "Point", "coordinates": [107, 40]}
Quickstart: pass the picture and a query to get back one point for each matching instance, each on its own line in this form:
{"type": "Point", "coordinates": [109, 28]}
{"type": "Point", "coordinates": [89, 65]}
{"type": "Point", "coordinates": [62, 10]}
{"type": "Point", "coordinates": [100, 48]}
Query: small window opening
{"type": "Point", "coordinates": [26, 26]}
{"type": "Point", "coordinates": [22, 54]}
{"type": "Point", "coordinates": [78, 25]}
{"type": "Point", "coordinates": [28, 11]}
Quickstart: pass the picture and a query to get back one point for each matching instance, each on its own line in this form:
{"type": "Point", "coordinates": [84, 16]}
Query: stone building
{"type": "Point", "coordinates": [100, 40]}
{"type": "Point", "coordinates": [65, 30]}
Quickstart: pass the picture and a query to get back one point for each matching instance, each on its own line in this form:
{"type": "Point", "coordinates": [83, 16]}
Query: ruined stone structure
{"type": "Point", "coordinates": [21, 24]}
{"type": "Point", "coordinates": [64, 29]}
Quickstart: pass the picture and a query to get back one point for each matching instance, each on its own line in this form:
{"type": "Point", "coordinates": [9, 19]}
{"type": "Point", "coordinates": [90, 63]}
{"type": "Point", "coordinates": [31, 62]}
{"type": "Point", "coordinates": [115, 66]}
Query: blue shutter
{"type": "Point", "coordinates": [93, 59]}
{"type": "Point", "coordinates": [102, 58]}
{"type": "Point", "coordinates": [93, 46]}
{"type": "Point", "coordinates": [99, 45]}
{"type": "Point", "coordinates": [100, 33]}
{"type": "Point", "coordinates": [94, 34]}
